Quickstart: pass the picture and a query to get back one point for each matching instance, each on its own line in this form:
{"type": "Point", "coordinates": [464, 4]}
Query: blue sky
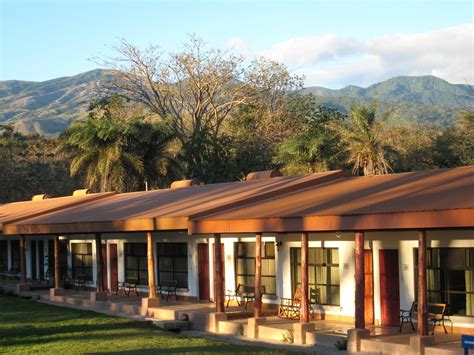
{"type": "Point", "coordinates": [333, 43]}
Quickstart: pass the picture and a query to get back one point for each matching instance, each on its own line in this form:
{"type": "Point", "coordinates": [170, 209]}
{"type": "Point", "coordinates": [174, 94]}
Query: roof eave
{"type": "Point", "coordinates": [456, 218]}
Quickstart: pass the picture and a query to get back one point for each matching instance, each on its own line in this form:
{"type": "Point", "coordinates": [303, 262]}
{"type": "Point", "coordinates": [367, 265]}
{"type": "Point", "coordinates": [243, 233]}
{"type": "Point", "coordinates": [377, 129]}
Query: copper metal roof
{"type": "Point", "coordinates": [161, 209]}
{"type": "Point", "coordinates": [15, 211]}
{"type": "Point", "coordinates": [393, 201]}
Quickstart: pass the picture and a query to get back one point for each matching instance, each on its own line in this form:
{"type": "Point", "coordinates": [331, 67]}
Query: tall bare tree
{"type": "Point", "coordinates": [196, 90]}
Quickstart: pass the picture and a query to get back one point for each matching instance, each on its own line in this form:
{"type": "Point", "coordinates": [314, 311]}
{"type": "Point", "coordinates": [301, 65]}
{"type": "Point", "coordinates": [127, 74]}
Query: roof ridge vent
{"type": "Point", "coordinates": [267, 174]}
{"type": "Point", "coordinates": [185, 183]}
{"type": "Point", "coordinates": [40, 197]}
{"type": "Point", "coordinates": [81, 192]}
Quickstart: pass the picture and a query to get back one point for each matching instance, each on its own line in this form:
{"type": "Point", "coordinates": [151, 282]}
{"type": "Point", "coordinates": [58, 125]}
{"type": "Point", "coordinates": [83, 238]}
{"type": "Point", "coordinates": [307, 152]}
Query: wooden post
{"type": "Point", "coordinates": [57, 271]}
{"type": "Point", "coordinates": [304, 318]}
{"type": "Point", "coordinates": [359, 281]}
{"type": "Point", "coordinates": [100, 263]}
{"type": "Point", "coordinates": [218, 274]}
{"type": "Point", "coordinates": [422, 305]}
{"type": "Point", "coordinates": [258, 275]}
{"type": "Point", "coordinates": [23, 259]}
{"type": "Point", "coordinates": [151, 266]}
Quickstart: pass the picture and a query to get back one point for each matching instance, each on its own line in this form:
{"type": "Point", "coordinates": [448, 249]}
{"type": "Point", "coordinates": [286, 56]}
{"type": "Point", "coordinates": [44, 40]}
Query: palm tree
{"type": "Point", "coordinates": [315, 148]}
{"type": "Point", "coordinates": [98, 148]}
{"type": "Point", "coordinates": [363, 137]}
{"type": "Point", "coordinates": [114, 149]}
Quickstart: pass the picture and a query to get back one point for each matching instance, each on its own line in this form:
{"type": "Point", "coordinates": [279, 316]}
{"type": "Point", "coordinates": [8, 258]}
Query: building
{"type": "Point", "coordinates": [334, 225]}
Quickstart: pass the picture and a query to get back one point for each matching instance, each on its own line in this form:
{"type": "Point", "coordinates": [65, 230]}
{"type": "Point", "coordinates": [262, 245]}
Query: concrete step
{"type": "Point", "coordinates": [322, 338]}
{"type": "Point", "coordinates": [266, 332]}
{"type": "Point", "coordinates": [384, 346]}
{"type": "Point", "coordinates": [163, 313]}
{"type": "Point", "coordinates": [172, 325]}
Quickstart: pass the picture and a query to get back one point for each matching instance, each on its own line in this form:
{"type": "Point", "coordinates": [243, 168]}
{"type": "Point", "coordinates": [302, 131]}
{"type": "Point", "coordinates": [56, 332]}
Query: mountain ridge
{"type": "Point", "coordinates": [48, 107]}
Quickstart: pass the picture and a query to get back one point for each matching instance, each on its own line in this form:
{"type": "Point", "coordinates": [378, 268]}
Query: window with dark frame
{"type": "Point", "coordinates": [136, 263]}
{"type": "Point", "coordinates": [82, 260]}
{"type": "Point", "coordinates": [173, 263]}
{"type": "Point", "coordinates": [323, 273]}
{"type": "Point", "coordinates": [3, 255]}
{"type": "Point", "coordinates": [245, 265]}
{"type": "Point", "coordinates": [449, 278]}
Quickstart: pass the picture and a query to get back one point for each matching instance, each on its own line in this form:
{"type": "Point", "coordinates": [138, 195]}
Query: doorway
{"type": "Point", "coordinates": [203, 269]}
{"type": "Point", "coordinates": [389, 287]}
{"type": "Point", "coordinates": [104, 269]}
{"type": "Point", "coordinates": [113, 263]}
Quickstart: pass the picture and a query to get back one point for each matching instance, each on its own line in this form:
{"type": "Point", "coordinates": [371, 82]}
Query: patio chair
{"type": "Point", "coordinates": [290, 308]}
{"type": "Point", "coordinates": [243, 294]}
{"type": "Point", "coordinates": [168, 287]}
{"type": "Point", "coordinates": [130, 284]}
{"type": "Point", "coordinates": [80, 281]}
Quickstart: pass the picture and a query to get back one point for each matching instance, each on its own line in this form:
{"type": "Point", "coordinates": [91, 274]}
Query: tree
{"type": "Point", "coordinates": [364, 138]}
{"type": "Point", "coordinates": [316, 147]}
{"type": "Point", "coordinates": [30, 166]}
{"type": "Point", "coordinates": [197, 90]}
{"type": "Point", "coordinates": [110, 148]}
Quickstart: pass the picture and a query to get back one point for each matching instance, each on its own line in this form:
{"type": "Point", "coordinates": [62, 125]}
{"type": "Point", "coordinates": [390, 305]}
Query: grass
{"type": "Point", "coordinates": [28, 326]}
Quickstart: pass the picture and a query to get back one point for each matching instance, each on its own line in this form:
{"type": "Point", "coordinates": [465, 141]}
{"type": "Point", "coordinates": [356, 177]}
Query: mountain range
{"type": "Point", "coordinates": [48, 107]}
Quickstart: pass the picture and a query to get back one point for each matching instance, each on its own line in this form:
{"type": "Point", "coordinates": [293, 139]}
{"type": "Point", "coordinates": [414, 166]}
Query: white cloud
{"type": "Point", "coordinates": [336, 61]}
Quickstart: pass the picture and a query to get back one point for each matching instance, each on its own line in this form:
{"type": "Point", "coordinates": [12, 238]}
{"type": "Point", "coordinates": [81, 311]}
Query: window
{"type": "Point", "coordinates": [15, 245]}
{"type": "Point", "coordinates": [3, 255]}
{"type": "Point", "coordinates": [450, 278]}
{"type": "Point", "coordinates": [323, 273]}
{"type": "Point", "coordinates": [136, 262]}
{"type": "Point", "coordinates": [82, 260]}
{"type": "Point", "coordinates": [173, 263]}
{"type": "Point", "coordinates": [245, 265]}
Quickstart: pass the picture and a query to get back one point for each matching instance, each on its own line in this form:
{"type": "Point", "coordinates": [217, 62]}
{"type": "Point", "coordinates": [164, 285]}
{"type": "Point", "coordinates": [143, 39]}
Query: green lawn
{"type": "Point", "coordinates": [27, 326]}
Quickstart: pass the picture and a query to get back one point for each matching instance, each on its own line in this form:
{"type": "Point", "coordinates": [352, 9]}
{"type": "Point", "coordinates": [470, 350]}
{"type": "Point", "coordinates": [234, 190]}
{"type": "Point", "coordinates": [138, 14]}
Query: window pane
{"type": "Point", "coordinates": [334, 256]}
{"type": "Point", "coordinates": [457, 280]}
{"type": "Point", "coordinates": [335, 275]}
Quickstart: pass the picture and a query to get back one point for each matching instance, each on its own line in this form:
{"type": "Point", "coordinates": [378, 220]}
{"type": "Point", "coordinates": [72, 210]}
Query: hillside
{"type": "Point", "coordinates": [48, 107]}
{"type": "Point", "coordinates": [421, 99]}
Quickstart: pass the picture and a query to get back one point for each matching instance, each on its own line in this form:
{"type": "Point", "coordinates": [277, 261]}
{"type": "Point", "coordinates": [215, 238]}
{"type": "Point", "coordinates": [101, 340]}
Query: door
{"type": "Point", "coordinates": [369, 287]}
{"type": "Point", "coordinates": [389, 287]}
{"type": "Point", "coordinates": [104, 269]}
{"type": "Point", "coordinates": [203, 269]}
{"type": "Point", "coordinates": [223, 265]}
{"type": "Point", "coordinates": [113, 262]}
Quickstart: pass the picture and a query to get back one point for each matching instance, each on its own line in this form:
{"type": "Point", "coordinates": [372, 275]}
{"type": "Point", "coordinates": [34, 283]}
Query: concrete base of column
{"type": "Point", "coordinates": [252, 326]}
{"type": "Point", "coordinates": [354, 337]}
{"type": "Point", "coordinates": [53, 292]}
{"type": "Point", "coordinates": [98, 296]}
{"type": "Point", "coordinates": [149, 302]}
{"type": "Point", "coordinates": [300, 330]}
{"type": "Point", "coordinates": [22, 288]}
{"type": "Point", "coordinates": [419, 342]}
{"type": "Point", "coordinates": [214, 319]}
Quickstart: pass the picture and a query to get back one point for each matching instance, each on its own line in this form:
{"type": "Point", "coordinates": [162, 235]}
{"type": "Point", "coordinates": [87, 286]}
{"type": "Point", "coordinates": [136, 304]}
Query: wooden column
{"type": "Point", "coordinates": [151, 266]}
{"type": "Point", "coordinates": [218, 274]}
{"type": "Point", "coordinates": [258, 275]}
{"type": "Point", "coordinates": [57, 271]}
{"type": "Point", "coordinates": [100, 263]}
{"type": "Point", "coordinates": [422, 305]}
{"type": "Point", "coordinates": [304, 318]}
{"type": "Point", "coordinates": [23, 259]}
{"type": "Point", "coordinates": [359, 281]}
